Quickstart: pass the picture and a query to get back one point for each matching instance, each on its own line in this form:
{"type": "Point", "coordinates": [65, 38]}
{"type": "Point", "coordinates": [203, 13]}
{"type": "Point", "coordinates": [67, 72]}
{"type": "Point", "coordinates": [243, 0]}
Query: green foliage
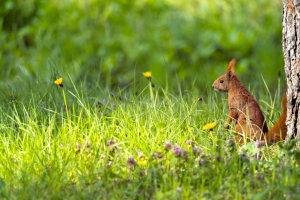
{"type": "Point", "coordinates": [177, 40]}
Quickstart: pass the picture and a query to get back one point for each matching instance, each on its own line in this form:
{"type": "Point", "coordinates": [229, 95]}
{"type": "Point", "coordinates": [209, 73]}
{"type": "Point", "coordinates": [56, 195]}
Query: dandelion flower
{"type": "Point", "coordinates": [142, 161]}
{"type": "Point", "coordinates": [59, 82]}
{"type": "Point", "coordinates": [209, 126]}
{"type": "Point", "coordinates": [147, 74]}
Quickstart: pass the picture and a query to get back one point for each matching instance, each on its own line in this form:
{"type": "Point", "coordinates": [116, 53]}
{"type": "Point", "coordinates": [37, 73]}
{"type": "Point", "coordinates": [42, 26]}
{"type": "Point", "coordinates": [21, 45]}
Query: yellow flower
{"type": "Point", "coordinates": [142, 160]}
{"type": "Point", "coordinates": [209, 126]}
{"type": "Point", "coordinates": [147, 74]}
{"type": "Point", "coordinates": [59, 82]}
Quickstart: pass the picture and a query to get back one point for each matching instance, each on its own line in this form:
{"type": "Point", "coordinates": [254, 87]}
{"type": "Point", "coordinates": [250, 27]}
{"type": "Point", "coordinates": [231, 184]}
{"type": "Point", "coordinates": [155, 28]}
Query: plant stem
{"type": "Point", "coordinates": [151, 91]}
{"type": "Point", "coordinates": [66, 105]}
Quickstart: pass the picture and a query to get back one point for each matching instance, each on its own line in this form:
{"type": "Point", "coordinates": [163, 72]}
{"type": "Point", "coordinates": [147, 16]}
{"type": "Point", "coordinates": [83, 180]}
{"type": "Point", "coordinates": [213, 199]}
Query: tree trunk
{"type": "Point", "coordinates": [291, 51]}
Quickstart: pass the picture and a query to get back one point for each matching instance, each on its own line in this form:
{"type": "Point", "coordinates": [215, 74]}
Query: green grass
{"type": "Point", "coordinates": [116, 146]}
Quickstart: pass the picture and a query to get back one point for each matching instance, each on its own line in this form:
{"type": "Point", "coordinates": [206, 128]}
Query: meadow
{"type": "Point", "coordinates": [113, 99]}
{"type": "Point", "coordinates": [147, 145]}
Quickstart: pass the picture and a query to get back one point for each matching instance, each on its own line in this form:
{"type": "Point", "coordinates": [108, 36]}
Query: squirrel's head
{"type": "Point", "coordinates": [222, 83]}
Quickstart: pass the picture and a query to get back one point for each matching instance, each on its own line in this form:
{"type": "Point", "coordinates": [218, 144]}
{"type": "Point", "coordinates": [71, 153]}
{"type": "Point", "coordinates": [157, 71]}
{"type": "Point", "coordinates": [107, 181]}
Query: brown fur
{"type": "Point", "coordinates": [243, 108]}
{"type": "Point", "coordinates": [278, 132]}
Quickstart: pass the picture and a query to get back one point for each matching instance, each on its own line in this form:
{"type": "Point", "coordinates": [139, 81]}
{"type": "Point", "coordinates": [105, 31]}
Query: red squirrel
{"type": "Point", "coordinates": [250, 123]}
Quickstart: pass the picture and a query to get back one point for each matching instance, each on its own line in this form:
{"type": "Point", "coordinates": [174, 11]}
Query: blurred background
{"type": "Point", "coordinates": [109, 44]}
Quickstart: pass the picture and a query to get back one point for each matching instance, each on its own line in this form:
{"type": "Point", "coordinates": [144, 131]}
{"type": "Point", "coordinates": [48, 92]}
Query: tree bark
{"type": "Point", "coordinates": [291, 51]}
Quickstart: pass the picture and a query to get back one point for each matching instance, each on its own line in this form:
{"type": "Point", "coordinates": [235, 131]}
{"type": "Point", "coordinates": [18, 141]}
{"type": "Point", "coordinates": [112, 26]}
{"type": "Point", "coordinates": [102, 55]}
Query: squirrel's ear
{"type": "Point", "coordinates": [230, 70]}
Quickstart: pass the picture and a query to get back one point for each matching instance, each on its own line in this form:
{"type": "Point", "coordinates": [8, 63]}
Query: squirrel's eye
{"type": "Point", "coordinates": [221, 81]}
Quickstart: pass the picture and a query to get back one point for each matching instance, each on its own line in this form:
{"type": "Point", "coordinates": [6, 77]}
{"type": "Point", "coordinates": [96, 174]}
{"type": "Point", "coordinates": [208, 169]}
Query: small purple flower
{"type": "Point", "coordinates": [244, 156]}
{"type": "Point", "coordinates": [43, 104]}
{"type": "Point", "coordinates": [97, 103]}
{"type": "Point", "coordinates": [167, 146]}
{"type": "Point", "coordinates": [179, 189]}
{"type": "Point", "coordinates": [111, 142]}
{"type": "Point", "coordinates": [255, 158]}
{"type": "Point", "coordinates": [131, 162]}
{"type": "Point", "coordinates": [190, 142]}
{"type": "Point", "coordinates": [259, 144]}
{"type": "Point", "coordinates": [197, 150]}
{"type": "Point", "coordinates": [184, 154]}
{"type": "Point", "coordinates": [260, 176]}
{"type": "Point", "coordinates": [202, 162]}
{"type": "Point", "coordinates": [104, 101]}
{"type": "Point", "coordinates": [177, 151]}
{"type": "Point", "coordinates": [64, 107]}
{"type": "Point", "coordinates": [157, 155]}
{"type": "Point", "coordinates": [108, 165]}
{"type": "Point", "coordinates": [229, 143]}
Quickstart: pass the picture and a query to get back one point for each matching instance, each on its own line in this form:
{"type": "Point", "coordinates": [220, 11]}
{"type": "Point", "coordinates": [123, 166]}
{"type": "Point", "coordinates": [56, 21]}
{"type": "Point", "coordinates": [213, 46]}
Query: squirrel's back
{"type": "Point", "coordinates": [243, 108]}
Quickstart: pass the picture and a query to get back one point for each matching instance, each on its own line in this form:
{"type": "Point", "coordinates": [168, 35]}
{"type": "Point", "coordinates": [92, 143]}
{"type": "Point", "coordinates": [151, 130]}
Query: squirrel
{"type": "Point", "coordinates": [244, 110]}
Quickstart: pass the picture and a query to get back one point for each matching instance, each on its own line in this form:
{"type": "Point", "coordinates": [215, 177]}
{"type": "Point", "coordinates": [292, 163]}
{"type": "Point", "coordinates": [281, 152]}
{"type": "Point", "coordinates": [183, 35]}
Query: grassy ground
{"type": "Point", "coordinates": [70, 144]}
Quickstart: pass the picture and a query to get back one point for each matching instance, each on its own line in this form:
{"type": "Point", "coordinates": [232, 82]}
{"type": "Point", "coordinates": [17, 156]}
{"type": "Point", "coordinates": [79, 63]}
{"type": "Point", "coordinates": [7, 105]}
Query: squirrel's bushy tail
{"type": "Point", "coordinates": [279, 130]}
